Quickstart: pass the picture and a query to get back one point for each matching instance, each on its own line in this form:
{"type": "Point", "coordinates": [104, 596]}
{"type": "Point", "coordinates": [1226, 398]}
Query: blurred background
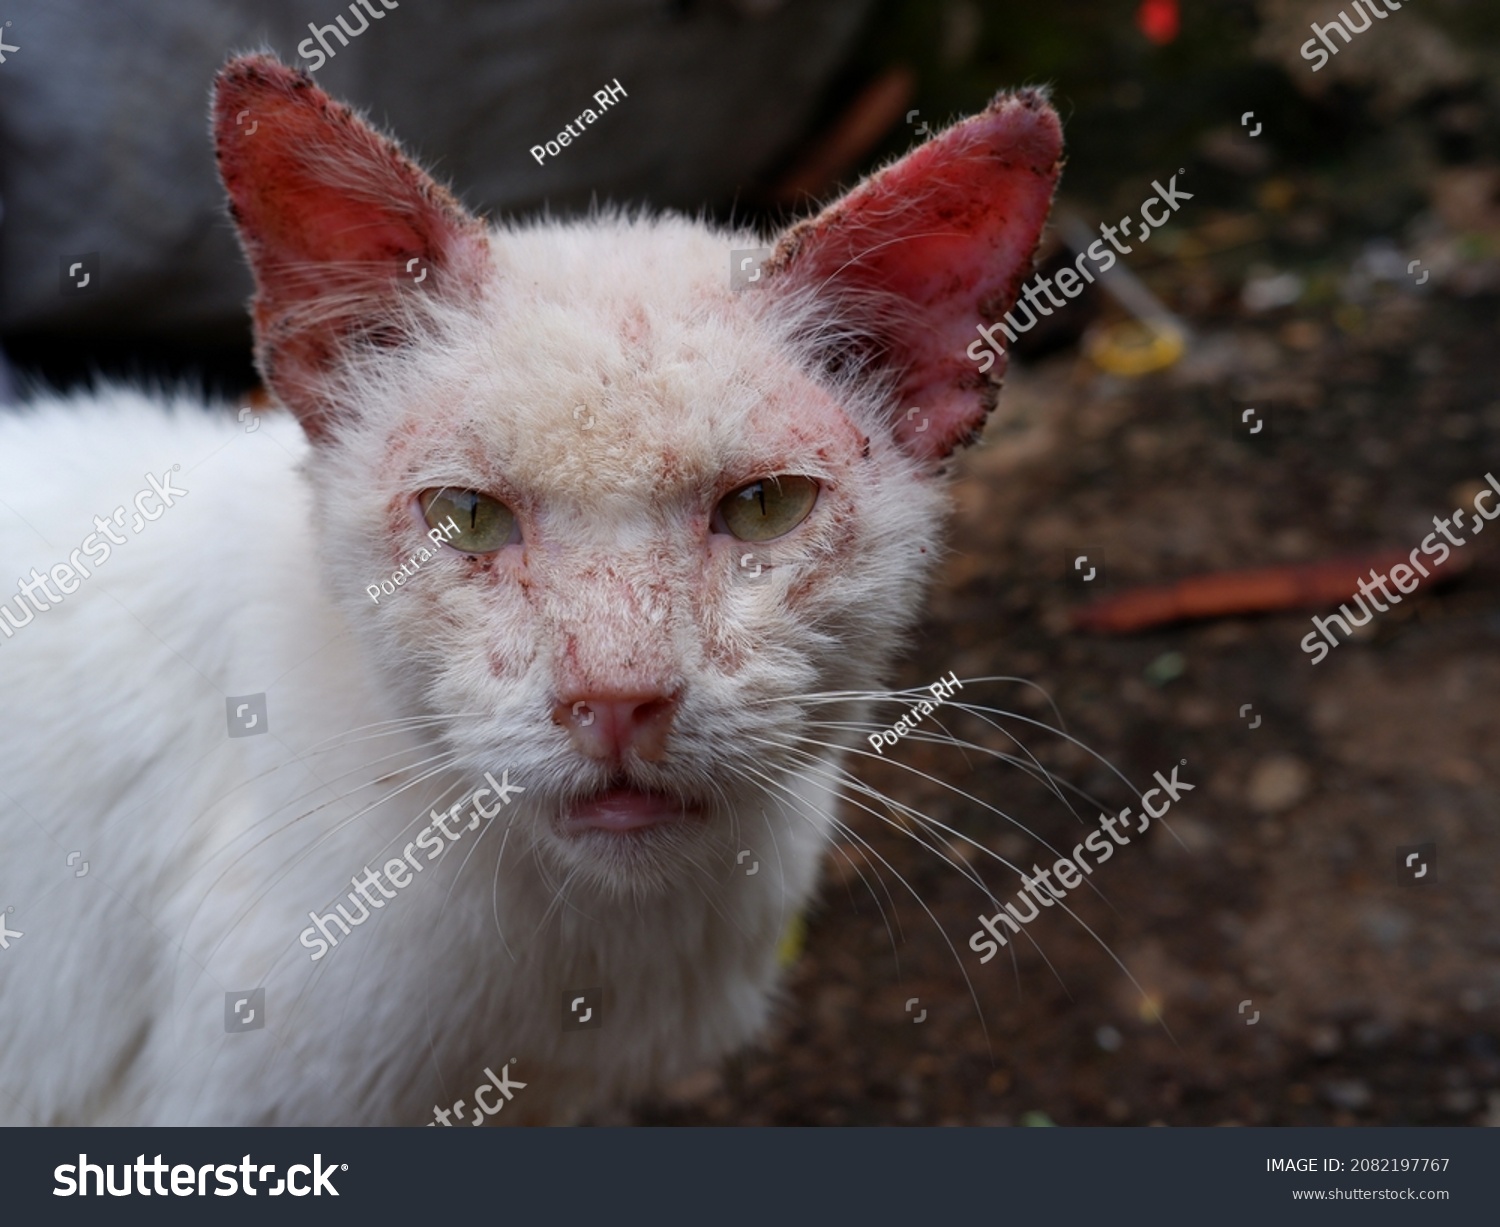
{"type": "Point", "coordinates": [1337, 270]}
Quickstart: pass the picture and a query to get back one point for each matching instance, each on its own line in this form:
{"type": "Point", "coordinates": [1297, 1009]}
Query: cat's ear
{"type": "Point", "coordinates": [924, 250]}
{"type": "Point", "coordinates": [339, 227]}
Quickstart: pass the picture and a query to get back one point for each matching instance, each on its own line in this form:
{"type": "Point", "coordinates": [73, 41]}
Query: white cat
{"type": "Point", "coordinates": [670, 515]}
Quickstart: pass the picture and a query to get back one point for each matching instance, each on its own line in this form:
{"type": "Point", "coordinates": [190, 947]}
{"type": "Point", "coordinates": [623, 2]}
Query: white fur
{"type": "Point", "coordinates": [206, 853]}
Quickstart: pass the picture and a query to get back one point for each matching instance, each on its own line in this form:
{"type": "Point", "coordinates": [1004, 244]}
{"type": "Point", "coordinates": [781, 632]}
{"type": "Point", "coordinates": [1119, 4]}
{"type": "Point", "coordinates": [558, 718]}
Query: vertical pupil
{"type": "Point", "coordinates": [760, 493]}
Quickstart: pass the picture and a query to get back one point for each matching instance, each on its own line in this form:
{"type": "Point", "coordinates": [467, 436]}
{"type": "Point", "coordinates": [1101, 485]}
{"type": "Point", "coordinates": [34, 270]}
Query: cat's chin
{"type": "Point", "coordinates": [628, 811]}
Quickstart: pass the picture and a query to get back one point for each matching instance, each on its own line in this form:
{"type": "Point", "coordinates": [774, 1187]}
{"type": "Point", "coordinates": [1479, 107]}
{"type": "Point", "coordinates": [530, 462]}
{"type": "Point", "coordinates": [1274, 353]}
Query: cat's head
{"type": "Point", "coordinates": [679, 505]}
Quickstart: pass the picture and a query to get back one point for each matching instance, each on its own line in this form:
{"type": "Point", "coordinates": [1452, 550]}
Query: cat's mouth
{"type": "Point", "coordinates": [622, 809]}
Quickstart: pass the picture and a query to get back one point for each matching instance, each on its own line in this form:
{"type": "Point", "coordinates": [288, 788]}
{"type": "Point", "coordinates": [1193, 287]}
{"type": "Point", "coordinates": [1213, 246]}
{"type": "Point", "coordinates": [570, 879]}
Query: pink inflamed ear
{"type": "Point", "coordinates": [337, 223]}
{"type": "Point", "coordinates": [928, 248]}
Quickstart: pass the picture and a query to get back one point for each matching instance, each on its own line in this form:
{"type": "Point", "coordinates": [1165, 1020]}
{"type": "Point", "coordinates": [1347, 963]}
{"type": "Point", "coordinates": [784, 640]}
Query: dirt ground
{"type": "Point", "coordinates": [1255, 958]}
{"type": "Point", "coordinates": [1369, 1001]}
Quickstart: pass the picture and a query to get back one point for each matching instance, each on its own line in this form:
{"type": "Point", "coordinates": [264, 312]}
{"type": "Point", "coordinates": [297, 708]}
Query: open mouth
{"type": "Point", "coordinates": [621, 809]}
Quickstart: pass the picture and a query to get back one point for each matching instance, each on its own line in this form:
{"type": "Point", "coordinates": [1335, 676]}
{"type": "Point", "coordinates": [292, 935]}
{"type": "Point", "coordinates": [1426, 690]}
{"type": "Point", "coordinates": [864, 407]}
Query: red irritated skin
{"type": "Point", "coordinates": [948, 233]}
{"type": "Point", "coordinates": [691, 511]}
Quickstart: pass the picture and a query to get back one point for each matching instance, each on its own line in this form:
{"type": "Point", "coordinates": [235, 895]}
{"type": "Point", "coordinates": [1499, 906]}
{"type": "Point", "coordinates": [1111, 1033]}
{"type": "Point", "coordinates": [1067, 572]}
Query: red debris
{"type": "Point", "coordinates": [1159, 20]}
{"type": "Point", "coordinates": [1309, 585]}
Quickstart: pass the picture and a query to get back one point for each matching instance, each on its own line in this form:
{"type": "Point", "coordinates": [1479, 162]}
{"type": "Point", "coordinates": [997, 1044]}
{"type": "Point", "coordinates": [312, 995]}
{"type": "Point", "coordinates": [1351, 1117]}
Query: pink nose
{"type": "Point", "coordinates": [606, 728]}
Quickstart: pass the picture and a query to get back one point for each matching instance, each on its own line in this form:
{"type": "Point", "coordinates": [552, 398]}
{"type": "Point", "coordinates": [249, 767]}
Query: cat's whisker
{"type": "Point", "coordinates": [981, 847]}
{"type": "Point", "coordinates": [906, 698]}
{"type": "Point", "coordinates": [559, 901]}
{"type": "Point", "coordinates": [328, 745]}
{"type": "Point", "coordinates": [990, 896]}
{"type": "Point", "coordinates": [963, 971]}
{"type": "Point", "coordinates": [984, 713]}
{"type": "Point", "coordinates": [443, 761]}
{"type": "Point", "coordinates": [1029, 936]}
{"type": "Point", "coordinates": [289, 802]}
{"type": "Point", "coordinates": [368, 949]}
{"type": "Point", "coordinates": [290, 947]}
{"type": "Point", "coordinates": [841, 696]}
{"type": "Point", "coordinates": [924, 694]}
{"type": "Point", "coordinates": [394, 725]}
{"type": "Point", "coordinates": [727, 807]}
{"type": "Point", "coordinates": [429, 997]}
{"type": "Point", "coordinates": [807, 760]}
{"type": "Point", "coordinates": [495, 893]}
{"type": "Point", "coordinates": [1097, 757]}
{"type": "Point", "coordinates": [1103, 945]}
{"type": "Point", "coordinates": [855, 750]}
{"type": "Point", "coordinates": [928, 737]}
{"type": "Point", "coordinates": [442, 758]}
{"type": "Point", "coordinates": [780, 864]}
{"type": "Point", "coordinates": [466, 795]}
{"type": "Point", "coordinates": [1030, 765]}
{"type": "Point", "coordinates": [843, 829]}
{"type": "Point", "coordinates": [923, 821]}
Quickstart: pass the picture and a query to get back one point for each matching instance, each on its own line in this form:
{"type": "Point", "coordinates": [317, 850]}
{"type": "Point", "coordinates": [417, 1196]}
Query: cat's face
{"type": "Point", "coordinates": [634, 433]}
{"type": "Point", "coordinates": [678, 506]}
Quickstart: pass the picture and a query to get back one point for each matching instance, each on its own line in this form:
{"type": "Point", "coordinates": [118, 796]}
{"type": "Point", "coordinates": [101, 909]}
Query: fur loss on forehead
{"type": "Point", "coordinates": [651, 385]}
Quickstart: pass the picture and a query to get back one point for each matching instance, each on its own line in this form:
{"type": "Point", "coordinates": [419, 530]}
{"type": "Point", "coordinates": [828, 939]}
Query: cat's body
{"type": "Point", "coordinates": [624, 657]}
{"type": "Point", "coordinates": [123, 687]}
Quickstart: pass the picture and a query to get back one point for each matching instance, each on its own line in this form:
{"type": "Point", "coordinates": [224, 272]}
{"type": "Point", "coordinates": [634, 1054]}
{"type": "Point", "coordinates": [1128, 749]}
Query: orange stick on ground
{"type": "Point", "coordinates": [1308, 585]}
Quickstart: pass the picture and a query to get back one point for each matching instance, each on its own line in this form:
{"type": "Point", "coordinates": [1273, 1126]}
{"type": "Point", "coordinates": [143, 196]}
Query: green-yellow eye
{"type": "Point", "coordinates": [768, 508]}
{"type": "Point", "coordinates": [469, 521]}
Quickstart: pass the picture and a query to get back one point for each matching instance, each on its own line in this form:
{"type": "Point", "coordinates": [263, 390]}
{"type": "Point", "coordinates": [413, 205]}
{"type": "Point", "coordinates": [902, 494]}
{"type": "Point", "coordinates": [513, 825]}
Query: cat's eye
{"type": "Point", "coordinates": [469, 521]}
{"type": "Point", "coordinates": [768, 508]}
